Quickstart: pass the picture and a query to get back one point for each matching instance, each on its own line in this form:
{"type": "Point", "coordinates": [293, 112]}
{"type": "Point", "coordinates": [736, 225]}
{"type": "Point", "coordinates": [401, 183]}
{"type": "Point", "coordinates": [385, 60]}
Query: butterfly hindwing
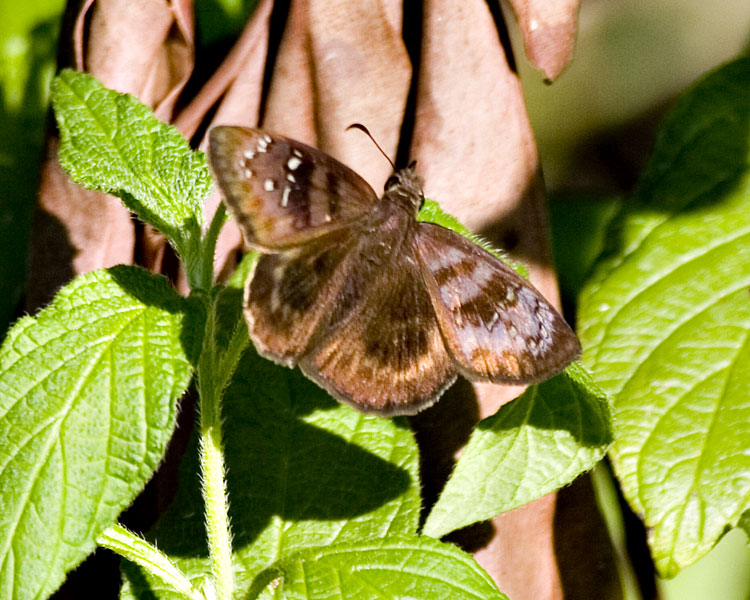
{"type": "Point", "coordinates": [496, 325]}
{"type": "Point", "coordinates": [288, 293]}
{"type": "Point", "coordinates": [381, 348]}
{"type": "Point", "coordinates": [281, 192]}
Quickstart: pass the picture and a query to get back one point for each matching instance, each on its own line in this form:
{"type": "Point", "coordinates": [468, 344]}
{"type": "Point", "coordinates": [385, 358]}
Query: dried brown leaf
{"type": "Point", "coordinates": [549, 32]}
{"type": "Point", "coordinates": [75, 231]}
{"type": "Point", "coordinates": [339, 63]}
{"type": "Point", "coordinates": [520, 557]}
{"type": "Point", "coordinates": [290, 108]}
{"type": "Point", "coordinates": [141, 47]}
{"type": "Point", "coordinates": [472, 138]}
{"type": "Point", "coordinates": [238, 81]}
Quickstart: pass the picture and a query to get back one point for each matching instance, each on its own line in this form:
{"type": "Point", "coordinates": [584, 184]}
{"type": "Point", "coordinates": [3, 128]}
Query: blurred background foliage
{"type": "Point", "coordinates": [594, 127]}
{"type": "Point", "coordinates": [632, 59]}
{"type": "Point", "coordinates": [28, 46]}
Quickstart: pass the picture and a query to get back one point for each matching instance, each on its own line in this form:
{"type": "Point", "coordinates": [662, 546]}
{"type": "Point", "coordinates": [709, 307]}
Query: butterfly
{"type": "Point", "coordinates": [381, 310]}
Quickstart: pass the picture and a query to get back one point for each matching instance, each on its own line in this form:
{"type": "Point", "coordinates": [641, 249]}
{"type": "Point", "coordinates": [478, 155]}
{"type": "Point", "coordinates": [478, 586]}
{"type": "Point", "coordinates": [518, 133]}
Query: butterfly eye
{"type": "Point", "coordinates": [392, 180]}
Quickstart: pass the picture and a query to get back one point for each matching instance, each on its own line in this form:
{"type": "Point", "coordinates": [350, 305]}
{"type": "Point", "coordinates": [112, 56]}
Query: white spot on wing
{"type": "Point", "coordinates": [248, 154]}
{"type": "Point", "coordinates": [285, 197]}
{"type": "Point", "coordinates": [293, 163]}
{"type": "Point", "coordinates": [296, 153]}
{"type": "Point", "coordinates": [267, 138]}
{"type": "Point", "coordinates": [290, 177]}
{"type": "Point", "coordinates": [248, 173]}
{"type": "Point", "coordinates": [262, 145]}
{"type": "Point", "coordinates": [269, 185]}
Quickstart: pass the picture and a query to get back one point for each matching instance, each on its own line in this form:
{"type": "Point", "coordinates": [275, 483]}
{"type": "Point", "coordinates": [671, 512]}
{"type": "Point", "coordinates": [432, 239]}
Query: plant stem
{"type": "Point", "coordinates": [135, 548]}
{"type": "Point", "coordinates": [609, 506]}
{"type": "Point", "coordinates": [213, 473]}
{"type": "Point", "coordinates": [209, 245]}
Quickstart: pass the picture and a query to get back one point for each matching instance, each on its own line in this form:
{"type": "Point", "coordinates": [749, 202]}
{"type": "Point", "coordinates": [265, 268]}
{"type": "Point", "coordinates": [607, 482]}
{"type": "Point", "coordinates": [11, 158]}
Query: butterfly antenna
{"type": "Point", "coordinates": [367, 132]}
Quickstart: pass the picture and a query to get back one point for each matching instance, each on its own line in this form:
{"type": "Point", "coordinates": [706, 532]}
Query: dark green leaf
{"type": "Point", "coordinates": [303, 470]}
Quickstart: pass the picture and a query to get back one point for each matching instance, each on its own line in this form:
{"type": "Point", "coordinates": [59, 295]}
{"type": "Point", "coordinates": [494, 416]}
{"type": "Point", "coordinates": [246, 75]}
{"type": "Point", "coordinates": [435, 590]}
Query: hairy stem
{"type": "Point", "coordinates": [213, 473]}
{"type": "Point", "coordinates": [136, 549]}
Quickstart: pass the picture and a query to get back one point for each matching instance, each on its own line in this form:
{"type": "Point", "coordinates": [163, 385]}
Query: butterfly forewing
{"type": "Point", "coordinates": [281, 192]}
{"type": "Point", "coordinates": [496, 326]}
{"type": "Point", "coordinates": [381, 348]}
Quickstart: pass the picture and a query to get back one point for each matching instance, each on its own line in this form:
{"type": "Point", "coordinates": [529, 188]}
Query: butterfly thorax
{"type": "Point", "coordinates": [404, 188]}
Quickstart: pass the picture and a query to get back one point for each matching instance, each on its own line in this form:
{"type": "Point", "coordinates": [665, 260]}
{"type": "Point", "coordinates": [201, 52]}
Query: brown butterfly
{"type": "Point", "coordinates": [379, 309]}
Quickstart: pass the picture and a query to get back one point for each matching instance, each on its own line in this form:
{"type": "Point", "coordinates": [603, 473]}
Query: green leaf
{"type": "Point", "coordinates": [218, 20]}
{"type": "Point", "coordinates": [128, 545]}
{"type": "Point", "coordinates": [665, 323]}
{"type": "Point", "coordinates": [88, 392]}
{"type": "Point", "coordinates": [413, 568]}
{"type": "Point", "coordinates": [532, 446]}
{"type": "Point", "coordinates": [744, 522]}
{"type": "Point", "coordinates": [113, 143]}
{"type": "Point", "coordinates": [242, 272]}
{"type": "Point", "coordinates": [303, 470]}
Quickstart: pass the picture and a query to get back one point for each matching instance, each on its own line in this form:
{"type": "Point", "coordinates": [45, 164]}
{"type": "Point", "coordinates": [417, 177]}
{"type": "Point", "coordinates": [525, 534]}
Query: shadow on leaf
{"type": "Point", "coordinates": [155, 291]}
{"type": "Point", "coordinates": [284, 459]}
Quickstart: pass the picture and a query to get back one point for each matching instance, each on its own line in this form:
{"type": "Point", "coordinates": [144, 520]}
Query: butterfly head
{"type": "Point", "coordinates": [405, 186]}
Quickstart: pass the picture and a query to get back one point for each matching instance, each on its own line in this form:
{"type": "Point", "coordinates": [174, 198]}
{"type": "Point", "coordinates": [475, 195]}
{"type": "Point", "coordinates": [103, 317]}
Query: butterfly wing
{"type": "Point", "coordinates": [288, 293]}
{"type": "Point", "coordinates": [496, 325]}
{"type": "Point", "coordinates": [281, 192]}
{"type": "Point", "coordinates": [380, 348]}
